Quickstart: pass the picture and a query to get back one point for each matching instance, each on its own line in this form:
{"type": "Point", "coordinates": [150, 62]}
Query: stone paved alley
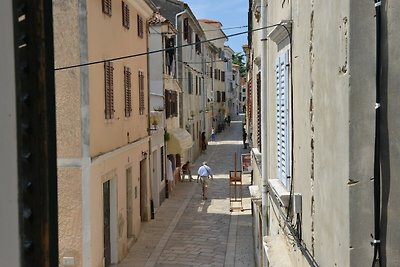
{"type": "Point", "coordinates": [189, 231]}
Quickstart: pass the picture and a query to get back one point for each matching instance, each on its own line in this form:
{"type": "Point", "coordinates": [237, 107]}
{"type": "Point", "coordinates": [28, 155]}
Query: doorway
{"type": "Point", "coordinates": [110, 233]}
{"type": "Point", "coordinates": [129, 203]}
{"type": "Point", "coordinates": [107, 223]}
{"type": "Point", "coordinates": [143, 190]}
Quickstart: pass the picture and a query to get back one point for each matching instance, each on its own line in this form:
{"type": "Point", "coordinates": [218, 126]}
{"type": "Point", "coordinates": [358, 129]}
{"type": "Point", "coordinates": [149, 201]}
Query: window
{"type": "Point", "coordinates": [128, 91]}
{"type": "Point", "coordinates": [169, 54]}
{"type": "Point", "coordinates": [109, 90]}
{"type": "Point", "coordinates": [197, 85]}
{"type": "Point", "coordinates": [190, 32]}
{"type": "Point", "coordinates": [218, 96]}
{"type": "Point", "coordinates": [211, 72]}
{"type": "Point", "coordinates": [140, 26]}
{"type": "Point", "coordinates": [171, 103]}
{"type": "Point", "coordinates": [125, 15]}
{"type": "Point", "coordinates": [282, 118]}
{"type": "Point", "coordinates": [174, 104]}
{"type": "Point", "coordinates": [185, 28]}
{"type": "Point", "coordinates": [107, 8]}
{"type": "Point", "coordinates": [223, 97]}
{"type": "Point", "coordinates": [190, 83]}
{"type": "Point", "coordinates": [216, 74]}
{"type": "Point", "coordinates": [223, 76]}
{"type": "Point", "coordinates": [198, 44]}
{"type": "Point", "coordinates": [141, 93]}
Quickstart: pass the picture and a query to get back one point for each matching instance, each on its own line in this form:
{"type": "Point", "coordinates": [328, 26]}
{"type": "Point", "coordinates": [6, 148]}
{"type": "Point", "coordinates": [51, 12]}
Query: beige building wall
{"type": "Point", "coordinates": [91, 149]}
{"type": "Point", "coordinates": [100, 47]}
{"type": "Point", "coordinates": [333, 75]}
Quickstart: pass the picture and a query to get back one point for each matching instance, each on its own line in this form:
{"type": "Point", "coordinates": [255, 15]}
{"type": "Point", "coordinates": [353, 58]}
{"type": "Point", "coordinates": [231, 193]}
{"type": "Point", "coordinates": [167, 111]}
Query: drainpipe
{"type": "Point", "coordinates": [264, 122]}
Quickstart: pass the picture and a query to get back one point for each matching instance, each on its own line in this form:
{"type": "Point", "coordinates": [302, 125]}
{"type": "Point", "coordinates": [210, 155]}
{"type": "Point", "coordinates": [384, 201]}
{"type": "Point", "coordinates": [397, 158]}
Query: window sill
{"type": "Point", "coordinates": [280, 191]}
{"type": "Point", "coordinates": [255, 194]}
{"type": "Point", "coordinates": [276, 250]}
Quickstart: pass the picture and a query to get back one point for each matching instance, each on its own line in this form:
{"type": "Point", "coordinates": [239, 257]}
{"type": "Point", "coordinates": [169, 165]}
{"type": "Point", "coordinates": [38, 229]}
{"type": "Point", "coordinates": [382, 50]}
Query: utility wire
{"type": "Point", "coordinates": [161, 50]}
{"type": "Point", "coordinates": [229, 28]}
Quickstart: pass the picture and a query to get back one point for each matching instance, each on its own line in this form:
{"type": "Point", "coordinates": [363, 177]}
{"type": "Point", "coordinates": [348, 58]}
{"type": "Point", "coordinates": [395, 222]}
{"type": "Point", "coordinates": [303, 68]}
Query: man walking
{"type": "Point", "coordinates": [204, 173]}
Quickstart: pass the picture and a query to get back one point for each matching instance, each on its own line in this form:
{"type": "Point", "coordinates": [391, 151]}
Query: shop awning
{"type": "Point", "coordinates": [179, 140]}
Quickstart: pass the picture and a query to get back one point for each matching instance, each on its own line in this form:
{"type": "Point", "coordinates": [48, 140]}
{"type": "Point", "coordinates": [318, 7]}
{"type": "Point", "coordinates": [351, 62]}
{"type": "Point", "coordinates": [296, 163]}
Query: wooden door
{"type": "Point", "coordinates": [107, 222]}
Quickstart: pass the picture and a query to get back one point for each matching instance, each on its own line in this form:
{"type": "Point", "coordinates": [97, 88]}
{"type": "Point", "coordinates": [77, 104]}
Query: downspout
{"type": "Point", "coordinates": [377, 170]}
{"type": "Point", "coordinates": [264, 119]}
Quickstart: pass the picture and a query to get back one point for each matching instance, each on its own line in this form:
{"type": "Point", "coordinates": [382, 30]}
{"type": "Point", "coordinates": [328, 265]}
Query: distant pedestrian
{"type": "Point", "coordinates": [204, 173]}
{"type": "Point", "coordinates": [212, 134]}
{"type": "Point", "coordinates": [244, 138]}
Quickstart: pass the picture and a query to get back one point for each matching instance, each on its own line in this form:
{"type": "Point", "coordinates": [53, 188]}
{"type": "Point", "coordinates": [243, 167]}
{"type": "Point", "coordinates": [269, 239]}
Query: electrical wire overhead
{"type": "Point", "coordinates": [161, 50]}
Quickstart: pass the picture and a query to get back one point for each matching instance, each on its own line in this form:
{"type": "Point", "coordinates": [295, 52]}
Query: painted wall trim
{"type": "Point", "coordinates": [85, 129]}
{"type": "Point", "coordinates": [111, 154]}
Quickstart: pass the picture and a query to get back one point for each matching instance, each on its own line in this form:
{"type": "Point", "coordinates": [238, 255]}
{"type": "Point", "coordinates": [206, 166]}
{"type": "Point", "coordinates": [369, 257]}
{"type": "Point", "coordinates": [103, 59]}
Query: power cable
{"type": "Point", "coordinates": [161, 50]}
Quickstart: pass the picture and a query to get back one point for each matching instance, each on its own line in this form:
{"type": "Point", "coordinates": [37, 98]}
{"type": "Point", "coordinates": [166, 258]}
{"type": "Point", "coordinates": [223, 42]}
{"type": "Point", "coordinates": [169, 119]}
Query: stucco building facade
{"type": "Point", "coordinates": [102, 125]}
{"type": "Point", "coordinates": [316, 182]}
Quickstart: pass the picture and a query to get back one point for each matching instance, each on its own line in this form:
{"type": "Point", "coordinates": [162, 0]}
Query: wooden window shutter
{"type": "Point", "coordinates": [175, 103]}
{"type": "Point", "coordinates": [108, 90]}
{"type": "Point", "coordinates": [141, 93]}
{"type": "Point", "coordinates": [128, 91]}
{"type": "Point", "coordinates": [167, 104]}
{"type": "Point", "coordinates": [140, 26]}
{"type": "Point", "coordinates": [107, 7]}
{"type": "Point", "coordinates": [125, 15]}
{"type": "Point", "coordinates": [282, 115]}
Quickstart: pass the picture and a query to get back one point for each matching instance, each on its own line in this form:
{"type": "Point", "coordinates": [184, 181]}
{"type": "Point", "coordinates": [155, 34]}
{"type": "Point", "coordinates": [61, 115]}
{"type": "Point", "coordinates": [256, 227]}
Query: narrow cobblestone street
{"type": "Point", "coordinates": [190, 231]}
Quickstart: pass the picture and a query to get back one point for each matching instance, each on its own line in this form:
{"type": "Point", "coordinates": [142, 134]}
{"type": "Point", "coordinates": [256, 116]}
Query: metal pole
{"type": "Point", "coordinates": [264, 121]}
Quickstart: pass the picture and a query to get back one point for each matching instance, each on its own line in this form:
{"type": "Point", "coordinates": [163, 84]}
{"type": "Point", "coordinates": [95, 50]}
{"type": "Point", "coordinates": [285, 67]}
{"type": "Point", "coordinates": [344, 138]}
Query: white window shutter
{"type": "Point", "coordinates": [282, 117]}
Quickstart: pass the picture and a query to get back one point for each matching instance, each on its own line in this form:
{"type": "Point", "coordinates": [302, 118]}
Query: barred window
{"type": "Point", "coordinates": [109, 90]}
{"type": "Point", "coordinates": [125, 15]}
{"type": "Point", "coordinates": [107, 7]}
{"type": "Point", "coordinates": [141, 93]}
{"type": "Point", "coordinates": [128, 91]}
{"type": "Point", "coordinates": [140, 26]}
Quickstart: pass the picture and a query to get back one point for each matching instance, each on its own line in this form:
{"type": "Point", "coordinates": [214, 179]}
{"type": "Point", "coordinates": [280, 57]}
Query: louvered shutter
{"type": "Point", "coordinates": [108, 90]}
{"type": "Point", "coordinates": [141, 93]}
{"type": "Point", "coordinates": [128, 91]}
{"type": "Point", "coordinates": [282, 117]}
